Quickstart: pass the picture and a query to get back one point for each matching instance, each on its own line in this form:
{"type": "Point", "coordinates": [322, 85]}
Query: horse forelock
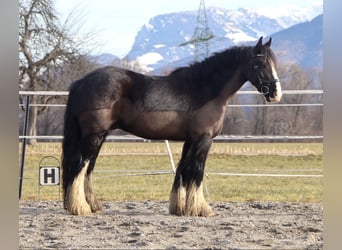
{"type": "Point", "coordinates": [270, 56]}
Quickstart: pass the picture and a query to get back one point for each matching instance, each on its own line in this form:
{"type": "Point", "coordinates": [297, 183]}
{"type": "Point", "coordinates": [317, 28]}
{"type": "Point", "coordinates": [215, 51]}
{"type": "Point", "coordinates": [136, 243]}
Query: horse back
{"type": "Point", "coordinates": [98, 89]}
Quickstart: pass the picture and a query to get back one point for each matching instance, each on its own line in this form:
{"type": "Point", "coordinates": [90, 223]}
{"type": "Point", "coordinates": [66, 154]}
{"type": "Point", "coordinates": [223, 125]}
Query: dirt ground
{"type": "Point", "coordinates": [147, 225]}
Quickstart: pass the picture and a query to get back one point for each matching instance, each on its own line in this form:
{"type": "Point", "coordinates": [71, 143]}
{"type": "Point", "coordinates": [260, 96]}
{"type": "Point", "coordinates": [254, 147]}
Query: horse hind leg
{"type": "Point", "coordinates": [80, 198]}
{"type": "Point", "coordinates": [95, 205]}
{"type": "Point", "coordinates": [74, 200]}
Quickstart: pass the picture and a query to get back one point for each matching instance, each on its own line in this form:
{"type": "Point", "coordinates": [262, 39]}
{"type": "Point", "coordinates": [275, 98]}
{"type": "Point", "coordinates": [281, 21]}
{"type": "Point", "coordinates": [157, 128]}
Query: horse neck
{"type": "Point", "coordinates": [224, 71]}
{"type": "Point", "coordinates": [231, 86]}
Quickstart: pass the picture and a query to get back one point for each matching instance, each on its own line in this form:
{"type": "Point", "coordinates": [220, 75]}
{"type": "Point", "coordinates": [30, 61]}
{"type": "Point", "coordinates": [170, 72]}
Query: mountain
{"type": "Point", "coordinates": [162, 42]}
{"type": "Point", "coordinates": [105, 59]}
{"type": "Point", "coordinates": [301, 43]}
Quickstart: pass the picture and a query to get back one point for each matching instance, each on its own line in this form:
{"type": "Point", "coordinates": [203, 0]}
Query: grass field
{"type": "Point", "coordinates": [121, 171]}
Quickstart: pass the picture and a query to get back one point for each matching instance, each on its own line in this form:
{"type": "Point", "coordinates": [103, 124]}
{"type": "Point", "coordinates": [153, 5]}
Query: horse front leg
{"type": "Point", "coordinates": [178, 192]}
{"type": "Point", "coordinates": [186, 196]}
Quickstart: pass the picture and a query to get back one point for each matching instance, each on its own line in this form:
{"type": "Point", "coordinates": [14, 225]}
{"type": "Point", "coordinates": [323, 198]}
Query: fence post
{"type": "Point", "coordinates": [23, 148]}
{"type": "Point", "coordinates": [170, 156]}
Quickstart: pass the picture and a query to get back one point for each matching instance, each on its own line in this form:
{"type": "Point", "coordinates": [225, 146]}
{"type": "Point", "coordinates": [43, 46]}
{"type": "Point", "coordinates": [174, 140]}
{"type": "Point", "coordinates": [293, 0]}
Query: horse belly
{"type": "Point", "coordinates": [163, 125]}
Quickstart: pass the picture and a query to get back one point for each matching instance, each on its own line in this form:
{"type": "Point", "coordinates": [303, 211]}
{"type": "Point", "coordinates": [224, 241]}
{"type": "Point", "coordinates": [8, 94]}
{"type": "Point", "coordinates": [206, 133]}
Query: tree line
{"type": "Point", "coordinates": [50, 58]}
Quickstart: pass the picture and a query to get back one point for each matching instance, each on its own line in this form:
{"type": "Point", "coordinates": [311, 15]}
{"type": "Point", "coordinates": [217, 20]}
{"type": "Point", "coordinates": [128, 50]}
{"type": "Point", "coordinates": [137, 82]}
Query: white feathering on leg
{"type": "Point", "coordinates": [75, 197]}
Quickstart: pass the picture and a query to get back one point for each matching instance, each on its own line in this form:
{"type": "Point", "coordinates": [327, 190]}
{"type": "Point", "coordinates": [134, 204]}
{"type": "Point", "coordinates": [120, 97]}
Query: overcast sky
{"type": "Point", "coordinates": [116, 22]}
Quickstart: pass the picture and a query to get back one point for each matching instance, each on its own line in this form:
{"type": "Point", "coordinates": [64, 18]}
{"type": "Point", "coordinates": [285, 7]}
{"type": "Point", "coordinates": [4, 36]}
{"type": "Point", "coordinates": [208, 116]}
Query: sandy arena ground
{"type": "Point", "coordinates": [147, 225]}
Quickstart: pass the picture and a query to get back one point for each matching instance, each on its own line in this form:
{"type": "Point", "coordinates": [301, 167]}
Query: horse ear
{"type": "Point", "coordinates": [268, 44]}
{"type": "Point", "coordinates": [258, 46]}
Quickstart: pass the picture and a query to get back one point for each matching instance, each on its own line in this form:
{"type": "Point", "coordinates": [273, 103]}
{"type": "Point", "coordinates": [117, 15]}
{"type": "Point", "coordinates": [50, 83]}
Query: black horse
{"type": "Point", "coordinates": [187, 105]}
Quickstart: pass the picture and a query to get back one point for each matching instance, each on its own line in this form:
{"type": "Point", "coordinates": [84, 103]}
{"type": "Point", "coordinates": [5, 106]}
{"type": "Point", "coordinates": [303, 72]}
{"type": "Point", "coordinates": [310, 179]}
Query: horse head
{"type": "Point", "coordinates": [262, 73]}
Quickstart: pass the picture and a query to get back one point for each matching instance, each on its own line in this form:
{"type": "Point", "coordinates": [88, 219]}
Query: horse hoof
{"type": "Point", "coordinates": [80, 210]}
{"type": "Point", "coordinates": [177, 212]}
{"type": "Point", "coordinates": [202, 212]}
{"type": "Point", "coordinates": [206, 213]}
{"type": "Point", "coordinates": [96, 207]}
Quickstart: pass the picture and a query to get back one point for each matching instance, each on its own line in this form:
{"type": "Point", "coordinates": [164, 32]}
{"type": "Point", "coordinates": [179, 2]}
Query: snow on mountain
{"type": "Point", "coordinates": [163, 41]}
{"type": "Point", "coordinates": [149, 59]}
{"type": "Point", "coordinates": [288, 15]}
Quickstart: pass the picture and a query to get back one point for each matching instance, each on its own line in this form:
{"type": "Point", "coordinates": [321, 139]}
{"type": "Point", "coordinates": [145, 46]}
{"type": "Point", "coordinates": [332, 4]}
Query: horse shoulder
{"type": "Point", "coordinates": [209, 118]}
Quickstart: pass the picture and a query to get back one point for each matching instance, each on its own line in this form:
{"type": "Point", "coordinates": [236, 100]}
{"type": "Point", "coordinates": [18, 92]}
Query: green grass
{"type": "Point", "coordinates": [118, 159]}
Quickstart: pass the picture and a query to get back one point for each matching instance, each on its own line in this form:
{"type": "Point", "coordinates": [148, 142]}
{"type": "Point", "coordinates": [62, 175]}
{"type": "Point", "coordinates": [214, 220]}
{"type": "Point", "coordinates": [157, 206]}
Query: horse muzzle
{"type": "Point", "coordinates": [276, 95]}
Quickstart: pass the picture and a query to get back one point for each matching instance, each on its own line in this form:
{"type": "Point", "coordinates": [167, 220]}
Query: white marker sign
{"type": "Point", "coordinates": [49, 176]}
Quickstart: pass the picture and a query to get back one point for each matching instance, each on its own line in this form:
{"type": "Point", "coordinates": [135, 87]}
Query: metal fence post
{"type": "Point", "coordinates": [23, 149]}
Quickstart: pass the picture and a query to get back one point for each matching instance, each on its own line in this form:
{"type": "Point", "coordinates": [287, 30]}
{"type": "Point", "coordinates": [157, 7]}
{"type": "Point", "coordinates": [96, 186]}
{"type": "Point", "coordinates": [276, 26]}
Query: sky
{"type": "Point", "coordinates": [115, 23]}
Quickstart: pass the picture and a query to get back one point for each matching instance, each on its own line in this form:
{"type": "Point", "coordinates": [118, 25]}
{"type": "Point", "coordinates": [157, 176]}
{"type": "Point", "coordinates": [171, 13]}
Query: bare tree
{"type": "Point", "coordinates": [297, 78]}
{"type": "Point", "coordinates": [130, 65]}
{"type": "Point", "coordinates": [234, 121]}
{"type": "Point", "coordinates": [44, 47]}
{"type": "Point", "coordinates": [296, 120]}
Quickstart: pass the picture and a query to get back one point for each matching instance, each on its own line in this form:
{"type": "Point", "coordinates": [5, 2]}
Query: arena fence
{"type": "Point", "coordinates": [222, 138]}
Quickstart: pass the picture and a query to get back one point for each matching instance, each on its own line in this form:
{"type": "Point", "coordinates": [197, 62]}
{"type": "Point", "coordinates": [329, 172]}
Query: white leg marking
{"type": "Point", "coordinates": [189, 201]}
{"type": "Point", "coordinates": [177, 200]}
{"type": "Point", "coordinates": [75, 198]}
{"type": "Point", "coordinates": [196, 205]}
{"type": "Point", "coordinates": [95, 205]}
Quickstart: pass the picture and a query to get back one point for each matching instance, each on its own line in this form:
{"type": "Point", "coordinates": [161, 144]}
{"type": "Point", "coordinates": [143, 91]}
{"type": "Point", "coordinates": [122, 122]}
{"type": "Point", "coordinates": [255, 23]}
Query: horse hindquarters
{"type": "Point", "coordinates": [186, 196]}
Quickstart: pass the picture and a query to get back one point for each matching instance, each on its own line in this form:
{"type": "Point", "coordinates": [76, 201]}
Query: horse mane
{"type": "Point", "coordinates": [227, 60]}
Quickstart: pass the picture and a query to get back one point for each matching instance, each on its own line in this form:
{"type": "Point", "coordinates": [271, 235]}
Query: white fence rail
{"type": "Point", "coordinates": [220, 138]}
{"type": "Point", "coordinates": [240, 92]}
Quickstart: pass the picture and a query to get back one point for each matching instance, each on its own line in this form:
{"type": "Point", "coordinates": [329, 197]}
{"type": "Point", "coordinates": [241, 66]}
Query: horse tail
{"type": "Point", "coordinates": [71, 153]}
